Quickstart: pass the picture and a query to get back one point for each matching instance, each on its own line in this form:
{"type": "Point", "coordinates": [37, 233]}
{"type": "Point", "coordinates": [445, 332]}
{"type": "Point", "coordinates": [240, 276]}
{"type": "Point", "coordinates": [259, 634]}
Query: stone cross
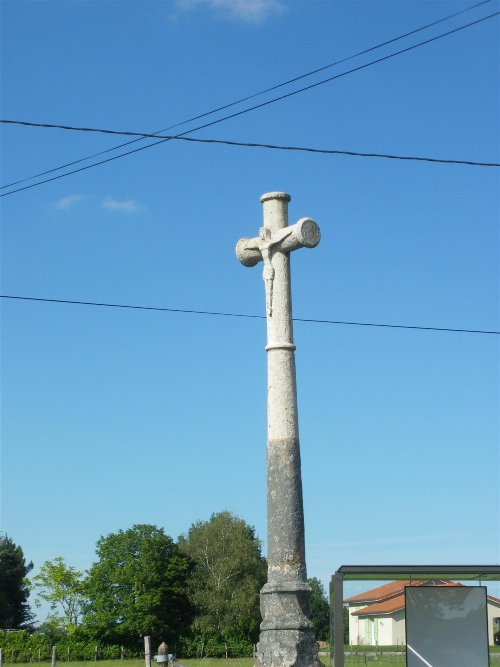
{"type": "Point", "coordinates": [287, 636]}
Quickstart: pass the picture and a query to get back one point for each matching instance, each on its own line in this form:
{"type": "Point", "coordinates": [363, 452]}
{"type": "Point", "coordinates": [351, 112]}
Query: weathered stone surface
{"type": "Point", "coordinates": [286, 549]}
{"type": "Point", "coordinates": [287, 636]}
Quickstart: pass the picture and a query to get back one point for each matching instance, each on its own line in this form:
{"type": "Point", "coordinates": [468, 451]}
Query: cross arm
{"type": "Point", "coordinates": [303, 234]}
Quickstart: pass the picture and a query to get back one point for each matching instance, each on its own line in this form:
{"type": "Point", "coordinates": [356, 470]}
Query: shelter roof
{"type": "Point", "coordinates": [415, 572]}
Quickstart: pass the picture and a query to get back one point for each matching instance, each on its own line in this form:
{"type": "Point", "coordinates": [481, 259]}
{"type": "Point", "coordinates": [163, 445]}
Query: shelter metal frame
{"type": "Point", "coordinates": [388, 572]}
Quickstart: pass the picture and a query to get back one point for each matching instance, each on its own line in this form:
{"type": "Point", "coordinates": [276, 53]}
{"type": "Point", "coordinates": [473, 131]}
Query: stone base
{"type": "Point", "coordinates": [287, 648]}
{"type": "Point", "coordinates": [287, 635]}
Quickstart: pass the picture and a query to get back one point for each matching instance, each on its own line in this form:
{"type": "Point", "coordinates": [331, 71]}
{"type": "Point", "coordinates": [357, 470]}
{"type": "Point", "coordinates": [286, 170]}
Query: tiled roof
{"type": "Point", "coordinates": [397, 602]}
{"type": "Point", "coordinates": [385, 607]}
{"type": "Point", "coordinates": [383, 592]}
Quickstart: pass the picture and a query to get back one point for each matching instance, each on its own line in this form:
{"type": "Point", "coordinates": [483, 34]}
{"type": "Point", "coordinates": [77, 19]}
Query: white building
{"type": "Point", "coordinates": [377, 616]}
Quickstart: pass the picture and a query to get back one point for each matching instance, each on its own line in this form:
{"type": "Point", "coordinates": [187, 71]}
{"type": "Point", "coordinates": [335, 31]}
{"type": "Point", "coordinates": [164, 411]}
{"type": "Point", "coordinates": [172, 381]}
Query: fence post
{"type": "Point", "coordinates": [68, 653]}
{"type": "Point", "coordinates": [121, 653]}
{"type": "Point", "coordinates": [95, 654]}
{"type": "Point", "coordinates": [38, 655]}
{"type": "Point", "coordinates": [54, 654]}
{"type": "Point", "coordinates": [1, 657]}
{"type": "Point", "coordinates": [147, 651]}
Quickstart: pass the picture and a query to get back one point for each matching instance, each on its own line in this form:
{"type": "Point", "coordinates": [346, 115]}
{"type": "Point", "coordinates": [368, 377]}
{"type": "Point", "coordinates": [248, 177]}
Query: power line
{"type": "Point", "coordinates": [253, 145]}
{"type": "Point", "coordinates": [244, 315]}
{"type": "Point", "coordinates": [263, 104]}
{"type": "Point", "coordinates": [249, 97]}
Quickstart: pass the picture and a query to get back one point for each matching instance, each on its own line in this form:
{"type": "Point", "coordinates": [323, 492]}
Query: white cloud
{"type": "Point", "coordinates": [251, 11]}
{"type": "Point", "coordinates": [68, 201]}
{"type": "Point", "coordinates": [127, 205]}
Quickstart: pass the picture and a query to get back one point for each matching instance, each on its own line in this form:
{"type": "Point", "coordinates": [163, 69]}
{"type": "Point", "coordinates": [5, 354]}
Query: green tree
{"type": "Point", "coordinates": [137, 587]}
{"type": "Point", "coordinates": [320, 610]}
{"type": "Point", "coordinates": [62, 587]}
{"type": "Point", "coordinates": [229, 571]}
{"type": "Point", "coordinates": [346, 622]}
{"type": "Point", "coordinates": [15, 611]}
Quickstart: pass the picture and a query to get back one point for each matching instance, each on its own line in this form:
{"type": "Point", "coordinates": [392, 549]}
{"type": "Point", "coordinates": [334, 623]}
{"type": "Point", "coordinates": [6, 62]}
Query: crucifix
{"type": "Point", "coordinates": [287, 635]}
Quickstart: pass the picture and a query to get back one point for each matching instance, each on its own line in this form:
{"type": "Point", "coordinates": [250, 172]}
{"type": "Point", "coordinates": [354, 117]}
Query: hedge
{"type": "Point", "coordinates": [21, 646]}
{"type": "Point", "coordinates": [214, 647]}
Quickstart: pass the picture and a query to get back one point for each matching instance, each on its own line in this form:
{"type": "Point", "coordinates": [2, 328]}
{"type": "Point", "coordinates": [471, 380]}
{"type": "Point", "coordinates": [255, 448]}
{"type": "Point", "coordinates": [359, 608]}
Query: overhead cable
{"type": "Point", "coordinates": [262, 92]}
{"type": "Point", "coordinates": [254, 145]}
{"type": "Point", "coordinates": [262, 104]}
{"type": "Point", "coordinates": [244, 315]}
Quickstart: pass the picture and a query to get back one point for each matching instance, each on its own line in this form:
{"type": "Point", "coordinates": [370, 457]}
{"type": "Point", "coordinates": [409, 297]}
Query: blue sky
{"type": "Point", "coordinates": [114, 417]}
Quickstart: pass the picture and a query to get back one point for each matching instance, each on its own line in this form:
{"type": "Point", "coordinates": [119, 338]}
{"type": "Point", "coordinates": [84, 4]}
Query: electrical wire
{"type": "Point", "coordinates": [255, 145]}
{"type": "Point", "coordinates": [249, 97]}
{"type": "Point", "coordinates": [263, 104]}
{"type": "Point", "coordinates": [244, 315]}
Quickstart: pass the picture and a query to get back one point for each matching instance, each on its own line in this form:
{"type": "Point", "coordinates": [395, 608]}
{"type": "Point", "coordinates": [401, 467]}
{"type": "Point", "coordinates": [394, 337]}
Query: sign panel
{"type": "Point", "coordinates": [446, 626]}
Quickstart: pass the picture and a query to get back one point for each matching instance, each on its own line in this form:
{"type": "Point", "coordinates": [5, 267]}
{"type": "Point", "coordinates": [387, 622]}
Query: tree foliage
{"type": "Point", "coordinates": [61, 586]}
{"type": "Point", "coordinates": [320, 610]}
{"type": "Point", "coordinates": [15, 611]}
{"type": "Point", "coordinates": [229, 571]}
{"type": "Point", "coordinates": [137, 587]}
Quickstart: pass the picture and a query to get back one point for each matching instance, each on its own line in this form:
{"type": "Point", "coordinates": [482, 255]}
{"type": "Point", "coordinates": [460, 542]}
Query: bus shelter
{"type": "Point", "coordinates": [477, 573]}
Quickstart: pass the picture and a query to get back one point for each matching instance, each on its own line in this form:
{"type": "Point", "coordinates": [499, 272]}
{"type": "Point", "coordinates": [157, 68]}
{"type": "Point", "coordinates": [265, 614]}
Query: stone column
{"type": "Point", "coordinates": [287, 637]}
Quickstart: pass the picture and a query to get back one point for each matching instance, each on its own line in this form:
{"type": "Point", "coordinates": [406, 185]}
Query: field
{"type": "Point", "coordinates": [206, 662]}
{"type": "Point", "coordinates": [359, 659]}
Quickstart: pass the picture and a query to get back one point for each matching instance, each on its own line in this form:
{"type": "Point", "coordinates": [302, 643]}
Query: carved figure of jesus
{"type": "Point", "coordinates": [267, 242]}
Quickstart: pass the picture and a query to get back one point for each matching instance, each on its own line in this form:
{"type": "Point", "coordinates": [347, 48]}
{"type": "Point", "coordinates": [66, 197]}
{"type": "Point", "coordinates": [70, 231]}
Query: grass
{"type": "Point", "coordinates": [355, 661]}
{"type": "Point", "coordinates": [385, 649]}
{"type": "Point", "coordinates": [139, 662]}
{"type": "Point", "coordinates": [378, 649]}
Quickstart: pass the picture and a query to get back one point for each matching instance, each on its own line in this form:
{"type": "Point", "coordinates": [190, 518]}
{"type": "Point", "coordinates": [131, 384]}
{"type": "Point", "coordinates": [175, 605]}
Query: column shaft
{"type": "Point", "coordinates": [286, 552]}
{"type": "Point", "coordinates": [287, 637]}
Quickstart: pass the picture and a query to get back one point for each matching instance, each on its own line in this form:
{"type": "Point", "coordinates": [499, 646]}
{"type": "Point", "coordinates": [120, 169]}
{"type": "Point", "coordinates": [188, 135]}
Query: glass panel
{"type": "Point", "coordinates": [446, 626]}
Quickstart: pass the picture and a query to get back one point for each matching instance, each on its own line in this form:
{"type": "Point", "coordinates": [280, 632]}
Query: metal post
{"type": "Point", "coordinates": [54, 655]}
{"type": "Point", "coordinates": [338, 620]}
{"type": "Point", "coordinates": [330, 635]}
